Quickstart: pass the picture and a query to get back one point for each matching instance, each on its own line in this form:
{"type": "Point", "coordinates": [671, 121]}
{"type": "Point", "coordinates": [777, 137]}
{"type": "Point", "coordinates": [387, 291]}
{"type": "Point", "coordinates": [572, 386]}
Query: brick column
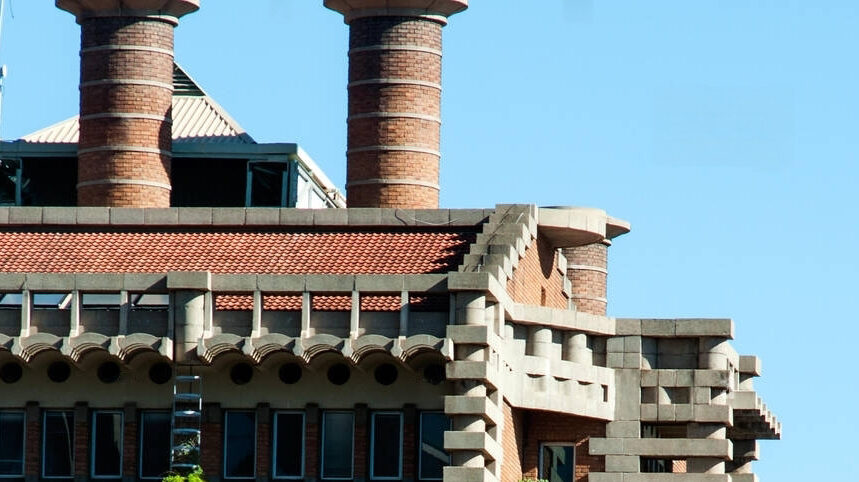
{"type": "Point", "coordinates": [129, 443]}
{"type": "Point", "coordinates": [587, 269]}
{"type": "Point", "coordinates": [264, 446]}
{"type": "Point", "coordinates": [126, 93]}
{"type": "Point", "coordinates": [81, 450]}
{"type": "Point", "coordinates": [211, 443]}
{"type": "Point", "coordinates": [394, 100]}
{"type": "Point", "coordinates": [410, 443]}
{"type": "Point", "coordinates": [312, 442]}
{"type": "Point", "coordinates": [33, 451]}
{"type": "Point", "coordinates": [361, 443]}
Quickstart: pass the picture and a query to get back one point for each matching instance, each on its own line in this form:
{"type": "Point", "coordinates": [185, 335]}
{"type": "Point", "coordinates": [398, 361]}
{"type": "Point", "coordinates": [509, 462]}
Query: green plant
{"type": "Point", "coordinates": [531, 479]}
{"type": "Point", "coordinates": [196, 475]}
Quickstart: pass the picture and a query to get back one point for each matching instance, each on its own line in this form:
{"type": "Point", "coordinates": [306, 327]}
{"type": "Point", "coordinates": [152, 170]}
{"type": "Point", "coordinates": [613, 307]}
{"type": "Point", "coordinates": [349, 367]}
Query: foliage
{"type": "Point", "coordinates": [195, 476]}
{"type": "Point", "coordinates": [531, 479]}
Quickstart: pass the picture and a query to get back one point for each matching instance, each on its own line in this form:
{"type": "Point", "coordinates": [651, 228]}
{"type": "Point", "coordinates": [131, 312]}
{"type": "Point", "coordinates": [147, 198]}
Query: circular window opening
{"type": "Point", "coordinates": [386, 374]}
{"type": "Point", "coordinates": [434, 374]}
{"type": "Point", "coordinates": [59, 371]}
{"type": "Point", "coordinates": [160, 373]}
{"type": "Point", "coordinates": [241, 373]}
{"type": "Point", "coordinates": [11, 372]}
{"type": "Point", "coordinates": [290, 373]}
{"type": "Point", "coordinates": [108, 372]}
{"type": "Point", "coordinates": [339, 374]}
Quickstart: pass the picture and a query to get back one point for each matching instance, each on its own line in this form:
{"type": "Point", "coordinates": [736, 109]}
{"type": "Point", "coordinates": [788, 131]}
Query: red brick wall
{"type": "Point", "coordinates": [536, 281]}
{"type": "Point", "coordinates": [264, 445]}
{"type": "Point", "coordinates": [543, 427]}
{"type": "Point", "coordinates": [81, 440]}
{"type": "Point", "coordinates": [98, 131]}
{"type": "Point", "coordinates": [33, 452]}
{"type": "Point", "coordinates": [312, 441]}
{"type": "Point", "coordinates": [367, 98]}
{"type": "Point", "coordinates": [512, 441]}
{"type": "Point", "coordinates": [361, 467]}
{"type": "Point", "coordinates": [129, 444]}
{"type": "Point", "coordinates": [585, 282]}
{"type": "Point", "coordinates": [212, 440]}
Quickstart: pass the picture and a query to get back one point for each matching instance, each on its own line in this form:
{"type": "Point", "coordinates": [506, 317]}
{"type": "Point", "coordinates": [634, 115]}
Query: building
{"type": "Point", "coordinates": [390, 340]}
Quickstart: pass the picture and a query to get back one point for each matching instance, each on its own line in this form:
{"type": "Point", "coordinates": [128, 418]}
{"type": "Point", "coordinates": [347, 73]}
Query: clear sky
{"type": "Point", "coordinates": [725, 131]}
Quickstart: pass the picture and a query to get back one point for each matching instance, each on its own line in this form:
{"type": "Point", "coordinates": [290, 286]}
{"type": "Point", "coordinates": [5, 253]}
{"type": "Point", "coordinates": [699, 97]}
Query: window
{"type": "Point", "coordinates": [38, 182]}
{"type": "Point", "coordinates": [431, 456]}
{"type": "Point", "coordinates": [240, 445]}
{"type": "Point", "coordinates": [386, 448]}
{"type": "Point", "coordinates": [11, 444]}
{"type": "Point", "coordinates": [58, 435]}
{"type": "Point", "coordinates": [557, 462]}
{"type": "Point", "coordinates": [268, 184]}
{"type": "Point", "coordinates": [338, 433]}
{"type": "Point", "coordinates": [106, 445]}
{"type": "Point", "coordinates": [154, 444]}
{"type": "Point", "coordinates": [288, 438]}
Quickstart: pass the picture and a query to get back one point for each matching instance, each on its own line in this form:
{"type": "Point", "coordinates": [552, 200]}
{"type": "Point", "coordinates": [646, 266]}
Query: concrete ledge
{"type": "Point", "coordinates": [663, 447]}
{"type": "Point", "coordinates": [189, 280]}
{"type": "Point", "coordinates": [477, 441]}
{"type": "Point", "coordinates": [468, 474]}
{"type": "Point", "coordinates": [750, 364]}
{"type": "Point", "coordinates": [463, 405]}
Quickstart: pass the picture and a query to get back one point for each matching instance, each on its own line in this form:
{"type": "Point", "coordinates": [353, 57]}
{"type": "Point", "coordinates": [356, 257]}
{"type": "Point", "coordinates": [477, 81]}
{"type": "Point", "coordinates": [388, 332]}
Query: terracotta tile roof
{"type": "Point", "coordinates": [262, 252]}
{"type": "Point", "coordinates": [226, 302]}
{"type": "Point", "coordinates": [331, 303]}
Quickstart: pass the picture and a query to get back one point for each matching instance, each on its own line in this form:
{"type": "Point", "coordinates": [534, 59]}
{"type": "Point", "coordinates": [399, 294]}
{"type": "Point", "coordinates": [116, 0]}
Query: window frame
{"type": "Point", "coordinates": [140, 448]}
{"type": "Point", "coordinates": [322, 451]}
{"type": "Point", "coordinates": [274, 445]}
{"type": "Point", "coordinates": [44, 445]}
{"type": "Point", "coordinates": [226, 437]}
{"type": "Point", "coordinates": [373, 444]}
{"type": "Point", "coordinates": [92, 444]}
{"type": "Point", "coordinates": [421, 437]}
{"type": "Point", "coordinates": [543, 445]}
{"type": "Point", "coordinates": [23, 413]}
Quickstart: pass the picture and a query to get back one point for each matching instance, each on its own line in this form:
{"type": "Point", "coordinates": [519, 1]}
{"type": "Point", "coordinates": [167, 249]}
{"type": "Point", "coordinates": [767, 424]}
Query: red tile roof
{"type": "Point", "coordinates": [263, 252]}
{"type": "Point", "coordinates": [435, 303]}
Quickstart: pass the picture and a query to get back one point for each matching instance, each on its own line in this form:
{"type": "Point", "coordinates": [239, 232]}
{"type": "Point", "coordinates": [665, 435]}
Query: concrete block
{"type": "Point", "coordinates": [125, 216]}
{"type": "Point", "coordinates": [59, 215]}
{"type": "Point", "coordinates": [372, 283]}
{"type": "Point", "coordinates": [98, 281]}
{"type": "Point", "coordinates": [705, 327]}
{"type": "Point", "coordinates": [628, 326]}
{"type": "Point", "coordinates": [12, 282]}
{"type": "Point", "coordinates": [195, 216]}
{"type": "Point", "coordinates": [144, 282]}
{"type": "Point", "coordinates": [632, 344]}
{"type": "Point", "coordinates": [161, 216]}
{"type": "Point", "coordinates": [296, 217]}
{"type": "Point", "coordinates": [627, 394]}
{"type": "Point", "coordinates": [396, 217]}
{"type": "Point", "coordinates": [649, 412]}
{"type": "Point", "coordinates": [432, 217]}
{"type": "Point", "coordinates": [632, 360]}
{"type": "Point", "coordinates": [469, 334]}
{"type": "Point", "coordinates": [622, 463]}
{"type": "Point", "coordinates": [281, 283]}
{"type": "Point", "coordinates": [667, 378]}
{"type": "Point", "coordinates": [467, 370]}
{"type": "Point", "coordinates": [701, 395]}
{"type": "Point", "coordinates": [234, 282]}
{"type": "Point", "coordinates": [614, 345]}
{"type": "Point", "coordinates": [228, 216]}
{"type": "Point", "coordinates": [713, 414]}
{"type": "Point", "coordinates": [750, 364]}
{"type": "Point", "coordinates": [658, 328]}
{"type": "Point", "coordinates": [605, 446]}
{"type": "Point", "coordinates": [614, 360]}
{"type": "Point", "coordinates": [330, 217]}
{"type": "Point", "coordinates": [468, 281]}
{"type": "Point", "coordinates": [50, 282]}
{"type": "Point", "coordinates": [93, 215]}
{"type": "Point", "coordinates": [665, 413]}
{"type": "Point", "coordinates": [4, 214]}
{"type": "Point", "coordinates": [25, 215]}
{"type": "Point", "coordinates": [649, 378]}
{"type": "Point", "coordinates": [683, 412]}
{"type": "Point", "coordinates": [712, 378]}
{"type": "Point", "coordinates": [468, 474]}
{"type": "Point", "coordinates": [262, 217]}
{"type": "Point", "coordinates": [330, 283]}
{"type": "Point", "coordinates": [603, 477]}
{"type": "Point", "coordinates": [467, 217]}
{"type": "Point", "coordinates": [623, 429]}
{"type": "Point", "coordinates": [363, 216]}
{"type": "Point", "coordinates": [189, 280]}
{"type": "Point", "coordinates": [684, 378]}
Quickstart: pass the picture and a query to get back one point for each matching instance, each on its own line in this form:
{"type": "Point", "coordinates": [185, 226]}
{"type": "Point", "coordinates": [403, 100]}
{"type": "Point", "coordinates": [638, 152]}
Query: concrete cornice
{"type": "Point", "coordinates": [169, 10]}
{"type": "Point", "coordinates": [436, 10]}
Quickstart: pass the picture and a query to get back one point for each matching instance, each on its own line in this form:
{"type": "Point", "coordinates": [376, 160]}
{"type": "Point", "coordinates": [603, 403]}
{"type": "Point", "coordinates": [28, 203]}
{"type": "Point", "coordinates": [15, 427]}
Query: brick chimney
{"type": "Point", "coordinates": [126, 93]}
{"type": "Point", "coordinates": [394, 100]}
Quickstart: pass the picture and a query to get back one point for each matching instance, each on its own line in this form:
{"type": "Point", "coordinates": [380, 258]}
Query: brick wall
{"type": "Point", "coordinates": [33, 452]}
{"type": "Point", "coordinates": [512, 441]}
{"type": "Point", "coordinates": [541, 427]}
{"type": "Point", "coordinates": [587, 271]}
{"type": "Point", "coordinates": [125, 106]}
{"type": "Point", "coordinates": [393, 127]}
{"type": "Point", "coordinates": [536, 281]}
{"type": "Point", "coordinates": [212, 440]}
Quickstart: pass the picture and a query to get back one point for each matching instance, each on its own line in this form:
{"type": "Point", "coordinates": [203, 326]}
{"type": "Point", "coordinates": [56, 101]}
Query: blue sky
{"type": "Point", "coordinates": [725, 131]}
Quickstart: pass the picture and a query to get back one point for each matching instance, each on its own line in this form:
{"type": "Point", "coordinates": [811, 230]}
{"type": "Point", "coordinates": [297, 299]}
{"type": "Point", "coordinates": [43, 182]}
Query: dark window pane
{"type": "Point", "coordinates": [11, 443]}
{"type": "Point", "coordinates": [107, 444]}
{"type": "Point", "coordinates": [49, 182]}
{"type": "Point", "coordinates": [240, 446]}
{"type": "Point", "coordinates": [433, 458]}
{"type": "Point", "coordinates": [558, 463]}
{"type": "Point", "coordinates": [208, 182]}
{"type": "Point", "coordinates": [8, 181]}
{"type": "Point", "coordinates": [267, 183]}
{"type": "Point", "coordinates": [57, 444]}
{"type": "Point", "coordinates": [154, 444]}
{"type": "Point", "coordinates": [289, 445]}
{"type": "Point", "coordinates": [387, 445]}
{"type": "Point", "coordinates": [337, 438]}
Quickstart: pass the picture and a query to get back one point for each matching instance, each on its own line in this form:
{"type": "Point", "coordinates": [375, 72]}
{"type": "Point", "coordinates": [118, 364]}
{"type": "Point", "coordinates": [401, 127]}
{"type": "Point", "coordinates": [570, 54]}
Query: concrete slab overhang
{"type": "Point", "coordinates": [172, 8]}
{"type": "Point", "coordinates": [437, 9]}
{"type": "Point", "coordinates": [568, 226]}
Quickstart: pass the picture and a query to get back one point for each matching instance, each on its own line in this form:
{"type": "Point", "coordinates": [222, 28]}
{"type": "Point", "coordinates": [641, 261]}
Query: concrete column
{"type": "Point", "coordinates": [126, 89]}
{"type": "Point", "coordinates": [539, 341]}
{"type": "Point", "coordinates": [587, 270]}
{"type": "Point", "coordinates": [190, 309]}
{"type": "Point", "coordinates": [394, 100]}
{"type": "Point", "coordinates": [713, 353]}
{"type": "Point", "coordinates": [705, 465]}
{"type": "Point", "coordinates": [470, 308]}
{"type": "Point", "coordinates": [576, 348]}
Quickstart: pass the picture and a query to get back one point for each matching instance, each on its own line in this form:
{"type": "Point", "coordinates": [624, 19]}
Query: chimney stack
{"type": "Point", "coordinates": [394, 100]}
{"type": "Point", "coordinates": [126, 95]}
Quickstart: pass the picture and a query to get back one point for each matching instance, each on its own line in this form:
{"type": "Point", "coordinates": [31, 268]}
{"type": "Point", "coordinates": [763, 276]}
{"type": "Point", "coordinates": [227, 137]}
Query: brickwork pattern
{"type": "Point", "coordinates": [536, 281]}
{"type": "Point", "coordinates": [264, 449]}
{"type": "Point", "coordinates": [33, 459]}
{"type": "Point", "coordinates": [125, 81]}
{"type": "Point", "coordinates": [544, 427]}
{"type": "Point", "coordinates": [372, 62]}
{"type": "Point", "coordinates": [211, 446]}
{"type": "Point", "coordinates": [512, 441]}
{"type": "Point", "coordinates": [129, 447]}
{"type": "Point", "coordinates": [588, 283]}
{"type": "Point", "coordinates": [312, 443]}
{"type": "Point", "coordinates": [81, 452]}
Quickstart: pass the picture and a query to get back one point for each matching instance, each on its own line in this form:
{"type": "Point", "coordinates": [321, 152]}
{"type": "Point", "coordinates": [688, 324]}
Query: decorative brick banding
{"type": "Point", "coordinates": [394, 67]}
{"type": "Point", "coordinates": [127, 69]}
{"type": "Point", "coordinates": [587, 271]}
